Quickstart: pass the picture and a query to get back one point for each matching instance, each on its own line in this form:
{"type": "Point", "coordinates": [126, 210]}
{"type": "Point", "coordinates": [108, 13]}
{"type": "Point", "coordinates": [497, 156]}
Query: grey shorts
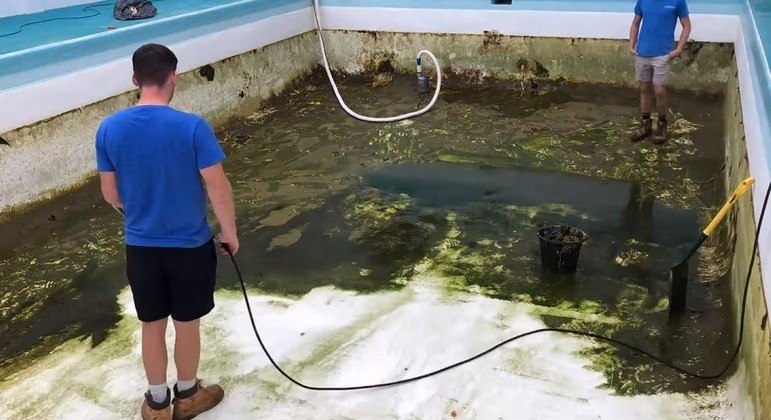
{"type": "Point", "coordinates": [652, 69]}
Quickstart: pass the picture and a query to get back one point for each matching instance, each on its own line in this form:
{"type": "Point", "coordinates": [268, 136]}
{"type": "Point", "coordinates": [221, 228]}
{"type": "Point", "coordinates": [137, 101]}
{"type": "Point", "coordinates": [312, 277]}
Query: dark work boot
{"type": "Point", "coordinates": [661, 132]}
{"type": "Point", "coordinates": [152, 410]}
{"type": "Point", "coordinates": [644, 131]}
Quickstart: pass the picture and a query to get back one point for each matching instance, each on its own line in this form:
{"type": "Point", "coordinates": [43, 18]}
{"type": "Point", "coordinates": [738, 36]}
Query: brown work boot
{"type": "Point", "coordinates": [152, 410]}
{"type": "Point", "coordinates": [196, 400]}
{"type": "Point", "coordinates": [644, 131]}
{"type": "Point", "coordinates": [661, 133]}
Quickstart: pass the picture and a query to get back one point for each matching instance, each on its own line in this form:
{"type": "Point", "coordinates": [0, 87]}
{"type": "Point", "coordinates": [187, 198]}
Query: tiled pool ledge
{"type": "Point", "coordinates": [19, 7]}
{"type": "Point", "coordinates": [38, 54]}
{"type": "Point", "coordinates": [569, 24]}
{"type": "Point", "coordinates": [620, 6]}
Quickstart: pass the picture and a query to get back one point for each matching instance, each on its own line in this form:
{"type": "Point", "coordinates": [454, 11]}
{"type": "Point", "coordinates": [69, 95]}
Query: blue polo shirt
{"type": "Point", "coordinates": [659, 18]}
{"type": "Point", "coordinates": [157, 153]}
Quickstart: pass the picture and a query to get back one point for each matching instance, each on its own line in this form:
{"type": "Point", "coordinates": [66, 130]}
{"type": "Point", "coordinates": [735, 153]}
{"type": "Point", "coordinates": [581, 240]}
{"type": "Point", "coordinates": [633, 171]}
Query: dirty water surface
{"type": "Point", "coordinates": [418, 240]}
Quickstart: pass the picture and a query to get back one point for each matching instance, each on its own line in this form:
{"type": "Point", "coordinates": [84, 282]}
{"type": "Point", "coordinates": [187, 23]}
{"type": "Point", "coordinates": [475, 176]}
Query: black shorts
{"type": "Point", "coordinates": [176, 282]}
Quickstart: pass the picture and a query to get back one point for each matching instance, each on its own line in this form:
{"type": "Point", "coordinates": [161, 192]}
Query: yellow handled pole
{"type": "Point", "coordinates": [679, 273]}
{"type": "Point", "coordinates": [738, 192]}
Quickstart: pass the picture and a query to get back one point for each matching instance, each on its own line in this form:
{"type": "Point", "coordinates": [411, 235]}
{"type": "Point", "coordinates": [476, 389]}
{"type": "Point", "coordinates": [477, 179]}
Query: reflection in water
{"type": "Point", "coordinates": [638, 214]}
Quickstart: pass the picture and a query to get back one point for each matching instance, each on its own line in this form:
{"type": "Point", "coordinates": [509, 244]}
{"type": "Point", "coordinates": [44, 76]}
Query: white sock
{"type": "Point", "coordinates": [185, 385]}
{"type": "Point", "coordinates": [158, 392]}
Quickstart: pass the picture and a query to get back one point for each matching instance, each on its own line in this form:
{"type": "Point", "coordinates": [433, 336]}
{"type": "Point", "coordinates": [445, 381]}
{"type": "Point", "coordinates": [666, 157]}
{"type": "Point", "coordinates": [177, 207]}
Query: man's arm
{"type": "Point", "coordinates": [107, 175]}
{"type": "Point", "coordinates": [221, 195]}
{"type": "Point", "coordinates": [633, 33]}
{"type": "Point", "coordinates": [109, 184]}
{"type": "Point", "coordinates": [686, 22]}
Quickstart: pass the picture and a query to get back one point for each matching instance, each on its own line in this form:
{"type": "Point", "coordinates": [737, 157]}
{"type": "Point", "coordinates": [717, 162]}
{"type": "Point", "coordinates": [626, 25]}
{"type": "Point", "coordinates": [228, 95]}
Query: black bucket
{"type": "Point", "coordinates": [561, 255]}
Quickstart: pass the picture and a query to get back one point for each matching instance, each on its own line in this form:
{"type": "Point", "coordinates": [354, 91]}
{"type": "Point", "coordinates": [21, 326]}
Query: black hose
{"type": "Point", "coordinates": [523, 335]}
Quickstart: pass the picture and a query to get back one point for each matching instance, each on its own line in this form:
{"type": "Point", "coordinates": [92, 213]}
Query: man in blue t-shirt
{"type": "Point", "coordinates": [654, 48]}
{"type": "Point", "coordinates": [153, 163]}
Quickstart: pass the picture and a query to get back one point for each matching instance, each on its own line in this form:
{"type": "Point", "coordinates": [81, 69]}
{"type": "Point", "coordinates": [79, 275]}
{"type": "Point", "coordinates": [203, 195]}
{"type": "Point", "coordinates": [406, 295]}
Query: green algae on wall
{"type": "Point", "coordinates": [704, 66]}
{"type": "Point", "coordinates": [50, 157]}
{"type": "Point", "coordinates": [739, 229]}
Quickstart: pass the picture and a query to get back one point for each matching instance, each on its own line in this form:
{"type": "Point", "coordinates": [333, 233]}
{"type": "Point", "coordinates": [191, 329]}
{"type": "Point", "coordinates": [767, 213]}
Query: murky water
{"type": "Point", "coordinates": [454, 196]}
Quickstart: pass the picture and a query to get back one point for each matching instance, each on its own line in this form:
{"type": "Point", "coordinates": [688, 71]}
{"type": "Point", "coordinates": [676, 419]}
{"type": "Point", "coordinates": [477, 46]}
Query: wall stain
{"type": "Point", "coordinates": [207, 72]}
{"type": "Point", "coordinates": [540, 70]}
{"type": "Point", "coordinates": [491, 40]}
{"type": "Point", "coordinates": [692, 50]}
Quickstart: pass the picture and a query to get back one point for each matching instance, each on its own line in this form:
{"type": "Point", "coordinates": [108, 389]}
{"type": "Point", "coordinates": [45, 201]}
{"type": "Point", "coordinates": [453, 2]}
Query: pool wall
{"type": "Point", "coordinates": [50, 143]}
{"type": "Point", "coordinates": [498, 56]}
{"type": "Point", "coordinates": [55, 153]}
{"type": "Point", "coordinates": [755, 363]}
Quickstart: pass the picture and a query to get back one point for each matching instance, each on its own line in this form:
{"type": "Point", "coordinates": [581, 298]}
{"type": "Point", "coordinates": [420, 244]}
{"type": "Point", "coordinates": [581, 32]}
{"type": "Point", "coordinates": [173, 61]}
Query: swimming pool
{"type": "Point", "coordinates": [519, 67]}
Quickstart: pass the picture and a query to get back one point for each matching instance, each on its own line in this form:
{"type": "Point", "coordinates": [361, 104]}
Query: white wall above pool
{"type": "Point", "coordinates": [22, 7]}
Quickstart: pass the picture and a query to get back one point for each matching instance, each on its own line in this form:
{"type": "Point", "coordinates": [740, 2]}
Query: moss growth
{"type": "Point", "coordinates": [388, 225]}
{"type": "Point", "coordinates": [631, 257]}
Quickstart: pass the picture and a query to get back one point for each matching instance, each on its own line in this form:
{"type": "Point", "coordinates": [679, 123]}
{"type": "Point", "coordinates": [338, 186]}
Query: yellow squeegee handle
{"type": "Point", "coordinates": [738, 192]}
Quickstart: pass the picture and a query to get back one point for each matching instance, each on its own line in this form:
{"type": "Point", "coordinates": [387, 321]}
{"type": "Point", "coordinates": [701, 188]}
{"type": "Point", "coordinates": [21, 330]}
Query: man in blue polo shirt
{"type": "Point", "coordinates": [154, 162]}
{"type": "Point", "coordinates": [654, 48]}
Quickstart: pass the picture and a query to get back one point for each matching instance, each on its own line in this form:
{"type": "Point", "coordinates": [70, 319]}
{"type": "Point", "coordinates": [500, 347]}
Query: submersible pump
{"type": "Point", "coordinates": [423, 81]}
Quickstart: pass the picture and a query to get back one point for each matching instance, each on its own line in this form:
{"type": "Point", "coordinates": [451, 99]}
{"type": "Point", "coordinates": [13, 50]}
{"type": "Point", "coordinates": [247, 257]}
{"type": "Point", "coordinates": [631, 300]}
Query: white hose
{"type": "Point", "coordinates": [316, 13]}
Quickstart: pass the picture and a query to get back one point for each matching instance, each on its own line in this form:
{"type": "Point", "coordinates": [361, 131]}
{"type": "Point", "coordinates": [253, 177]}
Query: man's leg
{"type": "Point", "coordinates": [144, 268]}
{"type": "Point", "coordinates": [192, 273]}
{"type": "Point", "coordinates": [644, 71]}
{"type": "Point", "coordinates": [662, 107]}
{"type": "Point", "coordinates": [155, 357]}
{"type": "Point", "coordinates": [662, 101]}
{"type": "Point", "coordinates": [661, 71]}
{"type": "Point", "coordinates": [646, 98]}
{"type": "Point", "coordinates": [187, 352]}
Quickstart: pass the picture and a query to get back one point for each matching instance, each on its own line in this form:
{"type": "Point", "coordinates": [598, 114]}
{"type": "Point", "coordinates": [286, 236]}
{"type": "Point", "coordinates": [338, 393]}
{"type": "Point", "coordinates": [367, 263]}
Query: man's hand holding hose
{"type": "Point", "coordinates": [229, 242]}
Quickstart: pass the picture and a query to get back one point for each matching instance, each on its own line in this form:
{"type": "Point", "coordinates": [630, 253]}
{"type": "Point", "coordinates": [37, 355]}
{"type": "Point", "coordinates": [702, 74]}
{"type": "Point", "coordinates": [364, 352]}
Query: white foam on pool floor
{"type": "Point", "coordinates": [331, 337]}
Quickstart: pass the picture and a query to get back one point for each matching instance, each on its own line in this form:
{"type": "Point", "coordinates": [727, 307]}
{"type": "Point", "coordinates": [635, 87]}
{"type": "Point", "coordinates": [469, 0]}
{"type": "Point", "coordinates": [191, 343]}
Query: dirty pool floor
{"type": "Point", "coordinates": [376, 252]}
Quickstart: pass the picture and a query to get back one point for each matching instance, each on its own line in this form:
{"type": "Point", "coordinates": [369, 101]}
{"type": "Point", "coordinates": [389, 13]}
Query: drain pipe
{"type": "Point", "coordinates": [422, 79]}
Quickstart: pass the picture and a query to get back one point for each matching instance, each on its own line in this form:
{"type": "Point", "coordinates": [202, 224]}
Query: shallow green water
{"type": "Point", "coordinates": [327, 200]}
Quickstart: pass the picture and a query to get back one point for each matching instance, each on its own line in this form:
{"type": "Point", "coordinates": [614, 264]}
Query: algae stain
{"type": "Point", "coordinates": [288, 239]}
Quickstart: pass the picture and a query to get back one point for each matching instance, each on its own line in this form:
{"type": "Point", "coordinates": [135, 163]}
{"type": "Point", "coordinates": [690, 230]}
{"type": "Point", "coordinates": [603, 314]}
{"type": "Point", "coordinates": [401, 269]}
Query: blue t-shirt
{"type": "Point", "coordinates": [659, 18]}
{"type": "Point", "coordinates": [156, 153]}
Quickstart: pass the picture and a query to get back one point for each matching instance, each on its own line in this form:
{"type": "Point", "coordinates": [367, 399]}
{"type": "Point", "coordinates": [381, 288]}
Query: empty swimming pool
{"type": "Point", "coordinates": [375, 252]}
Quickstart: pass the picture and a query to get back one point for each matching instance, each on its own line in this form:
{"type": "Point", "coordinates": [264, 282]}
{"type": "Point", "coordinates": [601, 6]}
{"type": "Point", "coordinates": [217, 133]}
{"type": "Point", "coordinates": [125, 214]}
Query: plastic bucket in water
{"type": "Point", "coordinates": [561, 247]}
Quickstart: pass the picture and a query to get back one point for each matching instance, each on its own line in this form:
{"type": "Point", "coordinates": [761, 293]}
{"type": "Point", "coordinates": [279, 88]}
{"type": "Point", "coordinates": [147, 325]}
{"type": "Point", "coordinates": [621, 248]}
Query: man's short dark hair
{"type": "Point", "coordinates": [153, 64]}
